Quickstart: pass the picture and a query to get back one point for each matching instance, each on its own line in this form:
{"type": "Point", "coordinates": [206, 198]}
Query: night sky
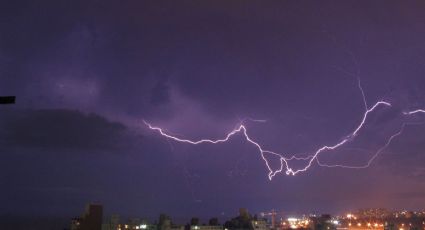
{"type": "Point", "coordinates": [87, 73]}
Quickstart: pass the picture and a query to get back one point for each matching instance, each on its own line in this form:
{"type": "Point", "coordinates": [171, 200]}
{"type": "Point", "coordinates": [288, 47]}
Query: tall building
{"type": "Point", "coordinates": [111, 223]}
{"type": "Point", "coordinates": [90, 220]}
{"type": "Point", "coordinates": [164, 222]}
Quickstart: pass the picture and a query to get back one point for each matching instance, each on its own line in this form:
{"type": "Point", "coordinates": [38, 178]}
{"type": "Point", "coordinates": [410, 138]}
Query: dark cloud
{"type": "Point", "coordinates": [58, 130]}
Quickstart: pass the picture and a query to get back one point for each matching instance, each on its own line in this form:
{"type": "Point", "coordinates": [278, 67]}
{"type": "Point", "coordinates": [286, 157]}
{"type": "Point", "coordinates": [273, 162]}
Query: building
{"type": "Point", "coordinates": [206, 227]}
{"type": "Point", "coordinates": [259, 224]}
{"type": "Point", "coordinates": [90, 220]}
{"type": "Point", "coordinates": [112, 223]}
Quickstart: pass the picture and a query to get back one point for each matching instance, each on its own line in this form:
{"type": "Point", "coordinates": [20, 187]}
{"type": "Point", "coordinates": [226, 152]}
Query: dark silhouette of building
{"type": "Point", "coordinates": [194, 221]}
{"type": "Point", "coordinates": [243, 221]}
{"type": "Point", "coordinates": [164, 222]}
{"type": "Point", "coordinates": [213, 221]}
{"type": "Point", "coordinates": [7, 100]}
{"type": "Point", "coordinates": [111, 223]}
{"type": "Point", "coordinates": [90, 220]}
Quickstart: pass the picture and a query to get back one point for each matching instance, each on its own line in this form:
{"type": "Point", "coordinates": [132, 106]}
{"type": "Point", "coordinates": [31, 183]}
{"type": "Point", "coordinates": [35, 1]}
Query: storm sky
{"type": "Point", "coordinates": [87, 73]}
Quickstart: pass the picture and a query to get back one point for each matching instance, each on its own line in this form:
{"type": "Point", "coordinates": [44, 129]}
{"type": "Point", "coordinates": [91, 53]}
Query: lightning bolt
{"type": "Point", "coordinates": [369, 162]}
{"type": "Point", "coordinates": [378, 152]}
{"type": "Point", "coordinates": [284, 161]}
{"type": "Point", "coordinates": [414, 111]}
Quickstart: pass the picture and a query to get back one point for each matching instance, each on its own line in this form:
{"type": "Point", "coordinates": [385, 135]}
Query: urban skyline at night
{"type": "Point", "coordinates": [199, 108]}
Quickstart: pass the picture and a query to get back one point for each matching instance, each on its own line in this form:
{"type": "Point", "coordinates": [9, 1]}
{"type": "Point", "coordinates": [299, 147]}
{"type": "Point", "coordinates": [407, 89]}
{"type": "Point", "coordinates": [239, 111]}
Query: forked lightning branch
{"type": "Point", "coordinates": [285, 165]}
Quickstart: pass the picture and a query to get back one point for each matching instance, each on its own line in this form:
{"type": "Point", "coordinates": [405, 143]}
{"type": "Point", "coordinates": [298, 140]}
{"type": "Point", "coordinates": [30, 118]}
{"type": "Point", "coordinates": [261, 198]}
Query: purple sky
{"type": "Point", "coordinates": [86, 74]}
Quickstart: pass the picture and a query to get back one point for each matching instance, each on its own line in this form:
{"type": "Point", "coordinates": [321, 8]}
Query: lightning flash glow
{"type": "Point", "coordinates": [284, 161]}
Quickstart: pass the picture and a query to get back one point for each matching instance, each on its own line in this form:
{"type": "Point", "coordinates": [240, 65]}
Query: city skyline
{"type": "Point", "coordinates": [364, 219]}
